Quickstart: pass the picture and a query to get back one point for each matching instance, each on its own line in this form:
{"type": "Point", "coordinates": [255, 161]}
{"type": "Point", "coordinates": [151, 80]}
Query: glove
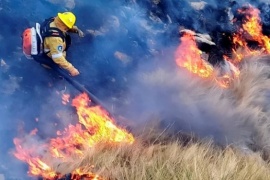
{"type": "Point", "coordinates": [81, 34]}
{"type": "Point", "coordinates": [74, 72]}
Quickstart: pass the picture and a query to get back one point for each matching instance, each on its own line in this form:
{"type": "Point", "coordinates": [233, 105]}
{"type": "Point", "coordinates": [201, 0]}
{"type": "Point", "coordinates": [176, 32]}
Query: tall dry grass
{"type": "Point", "coordinates": [195, 161]}
{"type": "Point", "coordinates": [242, 116]}
{"type": "Point", "coordinates": [251, 96]}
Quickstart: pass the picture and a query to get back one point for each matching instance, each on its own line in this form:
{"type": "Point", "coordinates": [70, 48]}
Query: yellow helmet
{"type": "Point", "coordinates": [68, 18]}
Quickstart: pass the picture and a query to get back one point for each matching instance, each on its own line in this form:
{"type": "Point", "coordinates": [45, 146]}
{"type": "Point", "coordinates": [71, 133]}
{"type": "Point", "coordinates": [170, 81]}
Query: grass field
{"type": "Point", "coordinates": [143, 161]}
{"type": "Point", "coordinates": [155, 155]}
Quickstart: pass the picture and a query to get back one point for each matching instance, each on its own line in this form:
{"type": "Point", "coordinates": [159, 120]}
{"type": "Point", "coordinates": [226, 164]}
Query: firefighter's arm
{"type": "Point", "coordinates": [75, 29]}
{"type": "Point", "coordinates": [56, 49]}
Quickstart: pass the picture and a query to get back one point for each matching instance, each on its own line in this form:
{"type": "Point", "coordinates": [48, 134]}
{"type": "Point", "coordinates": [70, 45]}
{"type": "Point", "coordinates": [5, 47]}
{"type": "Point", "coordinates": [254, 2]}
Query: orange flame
{"type": "Point", "coordinates": [27, 152]}
{"type": "Point", "coordinates": [95, 126]}
{"type": "Point", "coordinates": [189, 56]}
{"type": "Point", "coordinates": [65, 98]}
{"type": "Point", "coordinates": [226, 79]}
{"type": "Point", "coordinates": [251, 30]}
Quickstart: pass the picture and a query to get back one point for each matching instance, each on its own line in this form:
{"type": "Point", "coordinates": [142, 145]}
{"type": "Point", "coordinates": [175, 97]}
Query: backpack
{"type": "Point", "coordinates": [33, 38]}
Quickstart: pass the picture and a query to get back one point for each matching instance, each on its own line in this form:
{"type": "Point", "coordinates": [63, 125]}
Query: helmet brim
{"type": "Point", "coordinates": [62, 18]}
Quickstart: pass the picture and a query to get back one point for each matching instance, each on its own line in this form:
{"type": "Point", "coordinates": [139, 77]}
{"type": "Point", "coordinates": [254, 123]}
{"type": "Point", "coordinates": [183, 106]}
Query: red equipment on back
{"type": "Point", "coordinates": [27, 43]}
{"type": "Point", "coordinates": [32, 41]}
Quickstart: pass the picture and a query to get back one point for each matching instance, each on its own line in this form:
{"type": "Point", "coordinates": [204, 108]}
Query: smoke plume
{"type": "Point", "coordinates": [126, 60]}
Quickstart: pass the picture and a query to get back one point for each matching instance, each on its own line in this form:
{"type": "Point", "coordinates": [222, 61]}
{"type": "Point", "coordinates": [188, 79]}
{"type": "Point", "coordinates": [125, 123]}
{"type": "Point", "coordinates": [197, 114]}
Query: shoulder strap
{"type": "Point", "coordinates": [47, 31]}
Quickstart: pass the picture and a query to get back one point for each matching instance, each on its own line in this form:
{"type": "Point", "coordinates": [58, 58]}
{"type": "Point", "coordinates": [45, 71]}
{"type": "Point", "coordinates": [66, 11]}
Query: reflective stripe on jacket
{"type": "Point", "coordinates": [56, 46]}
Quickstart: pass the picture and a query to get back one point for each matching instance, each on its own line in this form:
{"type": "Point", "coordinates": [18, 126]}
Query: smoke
{"type": "Point", "coordinates": [238, 116]}
{"type": "Point", "coordinates": [126, 60]}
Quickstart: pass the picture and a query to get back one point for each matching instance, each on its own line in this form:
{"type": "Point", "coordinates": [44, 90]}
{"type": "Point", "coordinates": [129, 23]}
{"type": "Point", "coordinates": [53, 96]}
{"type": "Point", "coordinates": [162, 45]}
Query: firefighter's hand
{"type": "Point", "coordinates": [78, 31]}
{"type": "Point", "coordinates": [74, 72]}
{"type": "Point", "coordinates": [81, 34]}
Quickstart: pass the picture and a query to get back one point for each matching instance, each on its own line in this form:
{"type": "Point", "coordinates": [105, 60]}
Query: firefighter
{"type": "Point", "coordinates": [56, 41]}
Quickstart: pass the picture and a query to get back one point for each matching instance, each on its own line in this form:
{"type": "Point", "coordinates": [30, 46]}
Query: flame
{"type": "Point", "coordinates": [28, 153]}
{"type": "Point", "coordinates": [189, 56]}
{"type": "Point", "coordinates": [65, 98]}
{"type": "Point", "coordinates": [95, 126]}
{"type": "Point", "coordinates": [251, 29]}
{"type": "Point", "coordinates": [226, 79]}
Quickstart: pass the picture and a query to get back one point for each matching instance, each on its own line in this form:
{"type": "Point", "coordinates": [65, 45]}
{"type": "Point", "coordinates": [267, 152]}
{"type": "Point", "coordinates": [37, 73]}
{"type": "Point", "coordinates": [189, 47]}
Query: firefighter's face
{"type": "Point", "coordinates": [65, 29]}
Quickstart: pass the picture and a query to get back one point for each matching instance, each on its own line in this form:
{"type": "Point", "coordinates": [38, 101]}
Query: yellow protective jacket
{"type": "Point", "coordinates": [56, 48]}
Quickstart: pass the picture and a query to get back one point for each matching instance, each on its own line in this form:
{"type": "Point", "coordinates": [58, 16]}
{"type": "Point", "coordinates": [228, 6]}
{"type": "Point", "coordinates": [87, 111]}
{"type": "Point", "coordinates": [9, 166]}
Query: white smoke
{"type": "Point", "coordinates": [238, 115]}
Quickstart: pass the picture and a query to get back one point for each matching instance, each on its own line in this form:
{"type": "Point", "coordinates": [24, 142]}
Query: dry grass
{"type": "Point", "coordinates": [142, 161]}
{"type": "Point", "coordinates": [242, 115]}
{"type": "Point", "coordinates": [251, 96]}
